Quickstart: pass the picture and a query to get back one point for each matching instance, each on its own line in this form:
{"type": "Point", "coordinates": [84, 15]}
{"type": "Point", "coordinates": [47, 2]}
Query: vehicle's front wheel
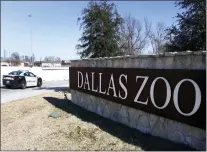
{"type": "Point", "coordinates": [39, 83]}
{"type": "Point", "coordinates": [8, 87]}
{"type": "Point", "coordinates": [23, 85]}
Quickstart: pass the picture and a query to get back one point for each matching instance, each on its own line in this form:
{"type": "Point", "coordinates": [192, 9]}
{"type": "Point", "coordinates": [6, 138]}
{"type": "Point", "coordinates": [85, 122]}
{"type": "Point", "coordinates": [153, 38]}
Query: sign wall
{"type": "Point", "coordinates": [179, 95]}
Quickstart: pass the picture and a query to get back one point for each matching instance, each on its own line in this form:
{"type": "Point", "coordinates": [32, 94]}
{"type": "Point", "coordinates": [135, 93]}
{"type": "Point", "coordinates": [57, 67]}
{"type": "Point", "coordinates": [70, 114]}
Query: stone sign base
{"type": "Point", "coordinates": [144, 122]}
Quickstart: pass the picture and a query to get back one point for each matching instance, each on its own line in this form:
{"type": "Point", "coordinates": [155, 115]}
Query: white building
{"type": "Point", "coordinates": [49, 64]}
{"type": "Point", "coordinates": [4, 63]}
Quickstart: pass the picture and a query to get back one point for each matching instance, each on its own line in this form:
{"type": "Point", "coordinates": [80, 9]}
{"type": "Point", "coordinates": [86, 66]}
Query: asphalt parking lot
{"type": "Point", "coordinates": [15, 94]}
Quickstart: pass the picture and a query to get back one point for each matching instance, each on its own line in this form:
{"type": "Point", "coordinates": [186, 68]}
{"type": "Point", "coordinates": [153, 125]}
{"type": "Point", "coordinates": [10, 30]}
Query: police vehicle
{"type": "Point", "coordinates": [21, 79]}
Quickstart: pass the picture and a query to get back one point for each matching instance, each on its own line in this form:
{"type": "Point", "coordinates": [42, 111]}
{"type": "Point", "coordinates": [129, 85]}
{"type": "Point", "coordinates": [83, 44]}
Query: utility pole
{"type": "Point", "coordinates": [30, 32]}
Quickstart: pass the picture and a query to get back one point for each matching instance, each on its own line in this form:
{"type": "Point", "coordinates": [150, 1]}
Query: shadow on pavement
{"type": "Point", "coordinates": [56, 89]}
{"type": "Point", "coordinates": [126, 134]}
{"type": "Point", "coordinates": [14, 88]}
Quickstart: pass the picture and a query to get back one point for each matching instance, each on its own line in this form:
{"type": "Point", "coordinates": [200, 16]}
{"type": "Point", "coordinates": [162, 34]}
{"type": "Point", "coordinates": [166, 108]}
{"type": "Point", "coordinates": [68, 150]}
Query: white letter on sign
{"type": "Point", "coordinates": [79, 86]}
{"type": "Point", "coordinates": [86, 82]}
{"type": "Point", "coordinates": [113, 86]}
{"type": "Point", "coordinates": [103, 92]}
{"type": "Point", "coordinates": [123, 87]}
{"type": "Point", "coordinates": [140, 90]}
{"type": "Point", "coordinates": [93, 83]}
{"type": "Point", "coordinates": [168, 93]}
{"type": "Point", "coordinates": [197, 97]}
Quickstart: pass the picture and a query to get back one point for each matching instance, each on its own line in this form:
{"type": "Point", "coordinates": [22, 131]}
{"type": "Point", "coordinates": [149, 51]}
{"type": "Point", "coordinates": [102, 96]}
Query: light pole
{"type": "Point", "coordinates": [30, 32]}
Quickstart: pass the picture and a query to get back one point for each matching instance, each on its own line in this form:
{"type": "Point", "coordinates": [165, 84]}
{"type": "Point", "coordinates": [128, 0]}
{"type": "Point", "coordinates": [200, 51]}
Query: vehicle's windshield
{"type": "Point", "coordinates": [15, 73]}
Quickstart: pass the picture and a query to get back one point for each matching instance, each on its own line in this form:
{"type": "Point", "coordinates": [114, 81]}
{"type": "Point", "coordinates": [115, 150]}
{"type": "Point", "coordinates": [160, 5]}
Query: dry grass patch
{"type": "Point", "coordinates": [26, 125]}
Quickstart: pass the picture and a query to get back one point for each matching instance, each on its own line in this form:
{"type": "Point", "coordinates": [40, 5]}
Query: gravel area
{"type": "Point", "coordinates": [26, 125]}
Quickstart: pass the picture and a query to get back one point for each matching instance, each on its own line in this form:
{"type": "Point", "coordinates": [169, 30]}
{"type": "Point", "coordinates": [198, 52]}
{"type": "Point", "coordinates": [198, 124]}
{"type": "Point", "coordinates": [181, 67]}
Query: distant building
{"type": "Point", "coordinates": [65, 63]}
{"type": "Point", "coordinates": [38, 63]}
{"type": "Point", "coordinates": [27, 64]}
{"type": "Point", "coordinates": [7, 63]}
{"type": "Point", "coordinates": [47, 64]}
{"type": "Point", "coordinates": [21, 64]}
{"type": "Point", "coordinates": [3, 63]}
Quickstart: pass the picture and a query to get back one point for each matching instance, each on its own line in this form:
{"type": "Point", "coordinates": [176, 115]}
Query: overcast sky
{"type": "Point", "coordinates": [54, 24]}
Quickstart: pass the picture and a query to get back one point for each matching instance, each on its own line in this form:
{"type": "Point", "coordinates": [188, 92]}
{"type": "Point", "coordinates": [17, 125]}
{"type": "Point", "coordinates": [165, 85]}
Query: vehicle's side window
{"type": "Point", "coordinates": [26, 74]}
{"type": "Point", "coordinates": [31, 74]}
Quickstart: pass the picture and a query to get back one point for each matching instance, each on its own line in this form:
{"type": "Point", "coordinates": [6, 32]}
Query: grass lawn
{"type": "Point", "coordinates": [26, 125]}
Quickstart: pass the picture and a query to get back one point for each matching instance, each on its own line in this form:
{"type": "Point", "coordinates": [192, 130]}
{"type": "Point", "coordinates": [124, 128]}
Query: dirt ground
{"type": "Point", "coordinates": [27, 125]}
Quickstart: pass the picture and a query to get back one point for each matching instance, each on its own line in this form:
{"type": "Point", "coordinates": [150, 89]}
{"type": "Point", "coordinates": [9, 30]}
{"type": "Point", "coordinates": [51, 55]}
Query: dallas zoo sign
{"type": "Point", "coordinates": [179, 95]}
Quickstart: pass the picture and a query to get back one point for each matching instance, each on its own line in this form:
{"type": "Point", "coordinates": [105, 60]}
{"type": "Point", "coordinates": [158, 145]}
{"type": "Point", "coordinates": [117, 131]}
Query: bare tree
{"type": "Point", "coordinates": [15, 58]}
{"type": "Point", "coordinates": [27, 58]}
{"type": "Point", "coordinates": [22, 58]}
{"type": "Point", "coordinates": [47, 59]}
{"type": "Point", "coordinates": [157, 37]}
{"type": "Point", "coordinates": [57, 59]}
{"type": "Point", "coordinates": [133, 36]}
{"type": "Point", "coordinates": [52, 59]}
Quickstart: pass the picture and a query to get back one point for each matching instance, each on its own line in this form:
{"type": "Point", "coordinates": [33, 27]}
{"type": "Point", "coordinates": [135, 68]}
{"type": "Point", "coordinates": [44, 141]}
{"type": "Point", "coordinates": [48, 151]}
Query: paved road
{"type": "Point", "coordinates": [15, 94]}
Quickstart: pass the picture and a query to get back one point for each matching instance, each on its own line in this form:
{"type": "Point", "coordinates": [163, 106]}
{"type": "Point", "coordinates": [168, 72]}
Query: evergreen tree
{"type": "Point", "coordinates": [191, 31]}
{"type": "Point", "coordinates": [100, 22]}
